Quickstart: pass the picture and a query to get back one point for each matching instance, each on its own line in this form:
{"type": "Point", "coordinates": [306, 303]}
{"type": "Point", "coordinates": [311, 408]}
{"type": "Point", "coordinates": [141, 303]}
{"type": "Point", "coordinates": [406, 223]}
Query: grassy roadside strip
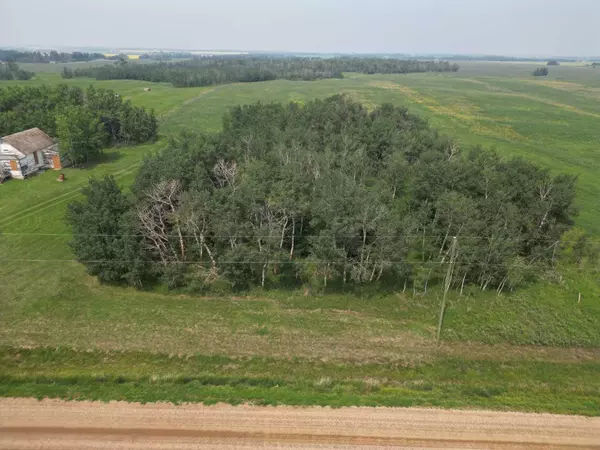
{"type": "Point", "coordinates": [567, 388]}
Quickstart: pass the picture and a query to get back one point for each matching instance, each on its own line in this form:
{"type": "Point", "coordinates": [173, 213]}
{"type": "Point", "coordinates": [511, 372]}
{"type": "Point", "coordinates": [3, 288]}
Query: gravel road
{"type": "Point", "coordinates": [54, 424]}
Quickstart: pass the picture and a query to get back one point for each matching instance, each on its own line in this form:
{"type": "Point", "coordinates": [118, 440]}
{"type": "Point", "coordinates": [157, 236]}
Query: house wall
{"type": "Point", "coordinates": [28, 164]}
{"type": "Point", "coordinates": [7, 149]}
{"type": "Point", "coordinates": [5, 166]}
{"type": "Point", "coordinates": [49, 153]}
{"type": "Point", "coordinates": [25, 164]}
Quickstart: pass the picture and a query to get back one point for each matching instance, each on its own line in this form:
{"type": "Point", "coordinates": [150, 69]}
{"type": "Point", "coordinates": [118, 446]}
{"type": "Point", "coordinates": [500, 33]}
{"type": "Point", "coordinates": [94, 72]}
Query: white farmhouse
{"type": "Point", "coordinates": [26, 152]}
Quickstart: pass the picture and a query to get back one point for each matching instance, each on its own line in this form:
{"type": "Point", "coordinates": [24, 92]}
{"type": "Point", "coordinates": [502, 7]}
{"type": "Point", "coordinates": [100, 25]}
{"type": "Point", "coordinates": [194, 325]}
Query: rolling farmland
{"type": "Point", "coordinates": [541, 331]}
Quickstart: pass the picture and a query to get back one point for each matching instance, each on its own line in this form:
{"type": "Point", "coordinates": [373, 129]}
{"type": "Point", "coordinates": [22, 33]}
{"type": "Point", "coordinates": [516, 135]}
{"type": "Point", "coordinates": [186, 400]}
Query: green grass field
{"type": "Point", "coordinates": [535, 349]}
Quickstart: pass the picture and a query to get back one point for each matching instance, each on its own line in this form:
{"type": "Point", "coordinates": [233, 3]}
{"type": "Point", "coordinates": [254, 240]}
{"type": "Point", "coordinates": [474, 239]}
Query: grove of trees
{"type": "Point", "coordinates": [220, 70]}
{"type": "Point", "coordinates": [325, 193]}
{"type": "Point", "coordinates": [540, 72]}
{"type": "Point", "coordinates": [83, 121]}
{"type": "Point", "coordinates": [11, 71]}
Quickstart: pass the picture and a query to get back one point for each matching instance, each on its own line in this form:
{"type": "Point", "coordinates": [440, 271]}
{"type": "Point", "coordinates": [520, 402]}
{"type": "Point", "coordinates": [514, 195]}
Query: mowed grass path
{"type": "Point", "coordinates": [48, 300]}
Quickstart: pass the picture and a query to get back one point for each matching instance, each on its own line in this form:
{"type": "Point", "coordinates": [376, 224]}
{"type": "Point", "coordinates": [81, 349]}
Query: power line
{"type": "Point", "coordinates": [269, 261]}
{"type": "Point", "coordinates": [298, 236]}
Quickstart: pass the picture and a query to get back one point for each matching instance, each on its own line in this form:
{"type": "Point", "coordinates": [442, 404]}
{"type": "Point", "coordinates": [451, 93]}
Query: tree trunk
{"type": "Point", "coordinates": [423, 246]}
{"type": "Point", "coordinates": [462, 285]}
{"type": "Point", "coordinates": [380, 271]}
{"type": "Point", "coordinates": [486, 284]}
{"type": "Point", "coordinates": [262, 278]}
{"type": "Point", "coordinates": [213, 263]}
{"type": "Point", "coordinates": [283, 232]}
{"type": "Point", "coordinates": [373, 273]}
{"type": "Point", "coordinates": [501, 286]}
{"type": "Point", "coordinates": [427, 282]}
{"type": "Point", "coordinates": [445, 237]}
{"type": "Point", "coordinates": [293, 238]}
{"type": "Point", "coordinates": [362, 250]}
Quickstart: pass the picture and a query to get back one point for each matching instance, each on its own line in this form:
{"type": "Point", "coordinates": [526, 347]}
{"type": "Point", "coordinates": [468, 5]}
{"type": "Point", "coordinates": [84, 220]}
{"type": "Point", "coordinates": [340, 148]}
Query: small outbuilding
{"type": "Point", "coordinates": [26, 152]}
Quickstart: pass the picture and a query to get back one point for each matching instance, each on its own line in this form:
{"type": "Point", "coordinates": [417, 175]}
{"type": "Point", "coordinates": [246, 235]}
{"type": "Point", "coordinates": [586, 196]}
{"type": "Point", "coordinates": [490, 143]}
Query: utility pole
{"type": "Point", "coordinates": [447, 283]}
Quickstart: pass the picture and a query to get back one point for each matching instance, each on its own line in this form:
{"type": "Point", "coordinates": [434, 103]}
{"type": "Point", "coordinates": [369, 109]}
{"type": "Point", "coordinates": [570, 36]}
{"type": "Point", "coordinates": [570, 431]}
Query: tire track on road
{"type": "Point", "coordinates": [50, 424]}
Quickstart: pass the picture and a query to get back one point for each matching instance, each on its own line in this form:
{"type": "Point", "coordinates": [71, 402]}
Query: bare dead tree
{"type": "Point", "coordinates": [452, 150]}
{"type": "Point", "coordinates": [195, 224]}
{"type": "Point", "coordinates": [156, 232]}
{"type": "Point", "coordinates": [225, 173]}
{"type": "Point", "coordinates": [158, 217]}
{"type": "Point", "coordinates": [270, 224]}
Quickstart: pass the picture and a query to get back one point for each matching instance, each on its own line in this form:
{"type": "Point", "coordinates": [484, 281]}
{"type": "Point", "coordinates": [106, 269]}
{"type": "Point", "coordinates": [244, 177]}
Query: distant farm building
{"type": "Point", "coordinates": [24, 153]}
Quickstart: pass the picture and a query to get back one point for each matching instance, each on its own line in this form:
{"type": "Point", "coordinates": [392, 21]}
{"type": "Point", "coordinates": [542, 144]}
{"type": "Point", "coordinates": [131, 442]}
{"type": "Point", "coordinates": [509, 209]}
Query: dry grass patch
{"type": "Point", "coordinates": [360, 97]}
{"type": "Point", "coordinates": [498, 131]}
{"type": "Point", "coordinates": [558, 105]}
{"type": "Point", "coordinates": [460, 110]}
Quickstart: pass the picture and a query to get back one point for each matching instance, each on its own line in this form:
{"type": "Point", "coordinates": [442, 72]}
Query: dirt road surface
{"type": "Point", "coordinates": [54, 424]}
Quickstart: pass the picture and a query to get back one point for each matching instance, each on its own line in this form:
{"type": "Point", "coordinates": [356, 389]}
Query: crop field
{"type": "Point", "coordinates": [64, 334]}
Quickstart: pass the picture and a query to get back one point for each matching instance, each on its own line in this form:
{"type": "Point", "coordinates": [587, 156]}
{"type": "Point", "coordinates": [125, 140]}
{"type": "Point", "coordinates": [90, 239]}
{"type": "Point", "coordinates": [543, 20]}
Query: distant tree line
{"type": "Point", "coordinates": [82, 121]}
{"type": "Point", "coordinates": [47, 57]}
{"type": "Point", "coordinates": [207, 71]}
{"type": "Point", "coordinates": [321, 194]}
{"type": "Point", "coordinates": [11, 71]}
{"type": "Point", "coordinates": [502, 58]}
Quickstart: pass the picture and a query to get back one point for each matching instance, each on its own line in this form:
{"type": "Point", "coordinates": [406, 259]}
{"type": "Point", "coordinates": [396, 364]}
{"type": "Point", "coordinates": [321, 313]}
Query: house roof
{"type": "Point", "coordinates": [29, 141]}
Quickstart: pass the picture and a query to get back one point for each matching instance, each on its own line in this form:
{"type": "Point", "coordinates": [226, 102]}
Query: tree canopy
{"type": "Point", "coordinates": [83, 121]}
{"type": "Point", "coordinates": [206, 71]}
{"type": "Point", "coordinates": [328, 192]}
{"type": "Point", "coordinates": [11, 71]}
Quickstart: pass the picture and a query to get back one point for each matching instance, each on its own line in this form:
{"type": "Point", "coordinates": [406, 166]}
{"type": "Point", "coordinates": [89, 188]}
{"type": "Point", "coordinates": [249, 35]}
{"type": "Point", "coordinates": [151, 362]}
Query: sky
{"type": "Point", "coordinates": [499, 27]}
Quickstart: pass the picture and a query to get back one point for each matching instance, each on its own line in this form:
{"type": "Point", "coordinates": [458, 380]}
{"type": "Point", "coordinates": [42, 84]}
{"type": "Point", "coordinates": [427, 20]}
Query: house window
{"type": "Point", "coordinates": [35, 156]}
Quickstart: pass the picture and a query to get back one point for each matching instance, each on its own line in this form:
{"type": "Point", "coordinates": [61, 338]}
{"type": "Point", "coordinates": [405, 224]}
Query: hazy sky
{"type": "Point", "coordinates": [519, 27]}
